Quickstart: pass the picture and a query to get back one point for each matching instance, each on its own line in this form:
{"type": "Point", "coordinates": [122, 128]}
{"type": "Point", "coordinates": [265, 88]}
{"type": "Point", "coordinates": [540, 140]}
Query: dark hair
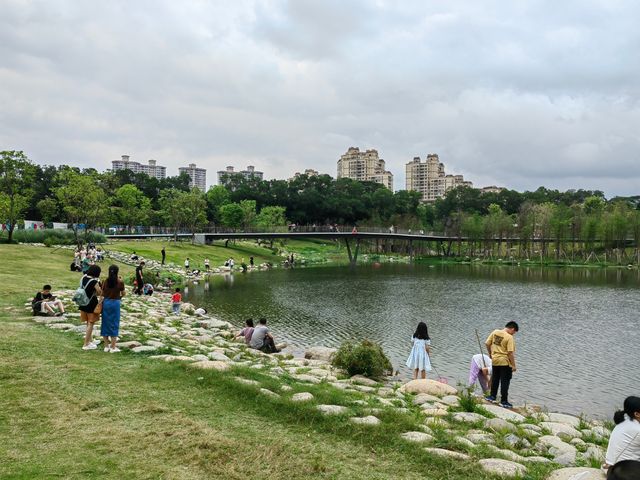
{"type": "Point", "coordinates": [262, 321]}
{"type": "Point", "coordinates": [177, 289]}
{"type": "Point", "coordinates": [94, 271]}
{"type": "Point", "coordinates": [249, 322]}
{"type": "Point", "coordinates": [47, 287]}
{"type": "Point", "coordinates": [624, 470]}
{"type": "Point", "coordinates": [513, 325]}
{"type": "Point", "coordinates": [422, 332]}
{"type": "Point", "coordinates": [112, 279]}
{"type": "Point", "coordinates": [631, 405]}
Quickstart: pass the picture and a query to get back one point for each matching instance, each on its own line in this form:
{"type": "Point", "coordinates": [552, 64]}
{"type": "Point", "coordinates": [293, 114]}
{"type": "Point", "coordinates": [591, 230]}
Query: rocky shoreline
{"type": "Point", "coordinates": [506, 442]}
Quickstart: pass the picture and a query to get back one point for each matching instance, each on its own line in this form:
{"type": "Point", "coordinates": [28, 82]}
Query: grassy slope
{"type": "Point", "coordinates": [72, 414]}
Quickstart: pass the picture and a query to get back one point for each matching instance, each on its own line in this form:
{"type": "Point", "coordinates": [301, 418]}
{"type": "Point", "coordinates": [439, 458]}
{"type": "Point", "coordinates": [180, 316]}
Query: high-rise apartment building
{"type": "Point", "coordinates": [198, 176]}
{"type": "Point", "coordinates": [429, 178]}
{"type": "Point", "coordinates": [364, 166]}
{"type": "Point", "coordinates": [229, 172]}
{"type": "Point", "coordinates": [152, 169]}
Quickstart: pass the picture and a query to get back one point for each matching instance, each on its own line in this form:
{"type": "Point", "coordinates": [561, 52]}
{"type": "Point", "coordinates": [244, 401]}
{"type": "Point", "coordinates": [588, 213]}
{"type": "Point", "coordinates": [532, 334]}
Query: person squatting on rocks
{"type": "Point", "coordinates": [501, 347]}
{"type": "Point", "coordinates": [480, 371]}
{"type": "Point", "coordinates": [44, 303]}
{"type": "Point", "coordinates": [419, 359]}
{"type": "Point", "coordinates": [624, 442]}
{"type": "Point", "coordinates": [261, 339]}
{"type": "Point", "coordinates": [112, 291]}
{"type": "Point", "coordinates": [176, 301]}
{"type": "Point", "coordinates": [139, 279]}
{"type": "Point", "coordinates": [247, 331]}
{"type": "Point", "coordinates": [90, 313]}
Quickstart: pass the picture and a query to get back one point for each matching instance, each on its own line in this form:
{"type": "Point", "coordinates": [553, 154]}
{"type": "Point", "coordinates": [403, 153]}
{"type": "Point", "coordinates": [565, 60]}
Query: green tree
{"type": "Point", "coordinates": [82, 200]}
{"type": "Point", "coordinates": [248, 213]}
{"type": "Point", "coordinates": [184, 209]}
{"type": "Point", "coordinates": [132, 207]}
{"type": "Point", "coordinates": [270, 217]}
{"type": "Point", "coordinates": [16, 187]}
{"type": "Point", "coordinates": [216, 197]}
{"type": "Point", "coordinates": [231, 215]}
{"type": "Point", "coordinates": [48, 208]}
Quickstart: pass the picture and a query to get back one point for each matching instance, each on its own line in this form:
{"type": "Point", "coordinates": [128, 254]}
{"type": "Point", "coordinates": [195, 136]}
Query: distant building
{"type": "Point", "coordinates": [309, 172]}
{"type": "Point", "coordinates": [364, 166]}
{"type": "Point", "coordinates": [152, 169]}
{"type": "Point", "coordinates": [429, 178]}
{"type": "Point", "coordinates": [229, 172]}
{"type": "Point", "coordinates": [198, 176]}
{"type": "Point", "coordinates": [491, 189]}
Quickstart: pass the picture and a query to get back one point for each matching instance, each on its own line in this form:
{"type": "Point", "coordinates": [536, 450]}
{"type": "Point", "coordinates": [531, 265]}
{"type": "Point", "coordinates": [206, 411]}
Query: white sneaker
{"type": "Point", "coordinates": [106, 349]}
{"type": "Point", "coordinates": [114, 350]}
{"type": "Point", "coordinates": [91, 346]}
{"type": "Point", "coordinates": [96, 342]}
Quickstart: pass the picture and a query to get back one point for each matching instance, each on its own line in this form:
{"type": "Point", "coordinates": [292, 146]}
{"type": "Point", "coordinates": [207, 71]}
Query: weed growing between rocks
{"type": "Point", "coordinates": [365, 358]}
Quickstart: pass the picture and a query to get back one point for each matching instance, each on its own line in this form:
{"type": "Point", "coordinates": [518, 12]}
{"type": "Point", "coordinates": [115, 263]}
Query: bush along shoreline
{"type": "Point", "coordinates": [526, 442]}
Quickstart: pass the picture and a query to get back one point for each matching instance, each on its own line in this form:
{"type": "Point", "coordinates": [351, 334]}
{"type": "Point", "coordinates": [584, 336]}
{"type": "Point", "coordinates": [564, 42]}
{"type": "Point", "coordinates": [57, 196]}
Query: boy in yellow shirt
{"type": "Point", "coordinates": [502, 347]}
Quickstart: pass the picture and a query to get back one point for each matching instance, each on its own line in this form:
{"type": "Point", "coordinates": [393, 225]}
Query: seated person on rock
{"type": "Point", "coordinates": [247, 331]}
{"type": "Point", "coordinates": [624, 442]}
{"type": "Point", "coordinates": [261, 339]}
{"type": "Point", "coordinates": [44, 303]}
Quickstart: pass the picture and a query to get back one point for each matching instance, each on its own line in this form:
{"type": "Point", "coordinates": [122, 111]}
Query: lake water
{"type": "Point", "coordinates": [577, 349]}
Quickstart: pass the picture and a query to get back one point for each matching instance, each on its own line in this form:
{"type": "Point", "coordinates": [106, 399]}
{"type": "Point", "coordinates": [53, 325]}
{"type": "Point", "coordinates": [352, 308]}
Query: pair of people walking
{"type": "Point", "coordinates": [494, 372]}
{"type": "Point", "coordinates": [101, 299]}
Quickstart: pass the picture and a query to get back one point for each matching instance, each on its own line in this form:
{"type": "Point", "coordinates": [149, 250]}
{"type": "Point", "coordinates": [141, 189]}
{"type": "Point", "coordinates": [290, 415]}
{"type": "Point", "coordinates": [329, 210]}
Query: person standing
{"type": "Point", "coordinates": [90, 313]}
{"type": "Point", "coordinates": [112, 292]}
{"type": "Point", "coordinates": [186, 264]}
{"type": "Point", "coordinates": [139, 279]}
{"type": "Point", "coordinates": [419, 360]}
{"type": "Point", "coordinates": [176, 301]}
{"type": "Point", "coordinates": [207, 265]}
{"type": "Point", "coordinates": [164, 254]}
{"type": "Point", "coordinates": [502, 347]}
{"type": "Point", "coordinates": [251, 261]}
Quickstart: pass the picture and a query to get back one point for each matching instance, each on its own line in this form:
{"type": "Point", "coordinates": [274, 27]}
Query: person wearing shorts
{"type": "Point", "coordinates": [91, 284]}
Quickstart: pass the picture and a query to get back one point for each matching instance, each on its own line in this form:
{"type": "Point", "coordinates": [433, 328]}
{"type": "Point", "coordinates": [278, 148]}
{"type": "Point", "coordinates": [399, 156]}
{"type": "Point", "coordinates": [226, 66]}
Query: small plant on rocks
{"type": "Point", "coordinates": [364, 358]}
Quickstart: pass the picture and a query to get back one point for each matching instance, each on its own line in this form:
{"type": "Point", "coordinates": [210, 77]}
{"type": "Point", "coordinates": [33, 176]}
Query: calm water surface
{"type": "Point", "coordinates": [577, 349]}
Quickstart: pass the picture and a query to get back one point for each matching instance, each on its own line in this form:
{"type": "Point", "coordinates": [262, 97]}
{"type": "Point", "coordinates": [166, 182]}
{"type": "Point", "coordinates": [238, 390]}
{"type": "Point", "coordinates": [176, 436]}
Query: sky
{"type": "Point", "coordinates": [515, 94]}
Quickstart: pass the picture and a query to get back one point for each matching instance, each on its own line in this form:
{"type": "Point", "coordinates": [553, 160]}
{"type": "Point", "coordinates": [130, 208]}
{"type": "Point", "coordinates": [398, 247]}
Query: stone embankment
{"type": "Point", "coordinates": [509, 443]}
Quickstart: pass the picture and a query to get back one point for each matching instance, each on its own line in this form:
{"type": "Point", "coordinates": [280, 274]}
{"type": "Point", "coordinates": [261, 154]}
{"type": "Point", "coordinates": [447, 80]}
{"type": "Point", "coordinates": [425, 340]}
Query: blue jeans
{"type": "Point", "coordinates": [176, 308]}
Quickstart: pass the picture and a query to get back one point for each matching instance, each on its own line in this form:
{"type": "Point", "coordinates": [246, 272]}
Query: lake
{"type": "Point", "coordinates": [577, 349]}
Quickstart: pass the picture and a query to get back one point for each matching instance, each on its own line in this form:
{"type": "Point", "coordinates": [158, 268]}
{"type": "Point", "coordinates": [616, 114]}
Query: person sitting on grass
{"type": "Point", "coordinates": [261, 339]}
{"type": "Point", "coordinates": [44, 303]}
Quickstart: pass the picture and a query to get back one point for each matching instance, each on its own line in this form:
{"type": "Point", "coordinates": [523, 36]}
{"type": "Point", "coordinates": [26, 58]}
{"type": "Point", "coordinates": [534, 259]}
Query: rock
{"type": "Point", "coordinates": [565, 459]}
{"type": "Point", "coordinates": [451, 400]}
{"type": "Point", "coordinates": [577, 441]}
{"type": "Point", "coordinates": [128, 345]}
{"type": "Point", "coordinates": [531, 428]}
{"type": "Point", "coordinates": [563, 418]}
{"type": "Point", "coordinates": [435, 422]}
{"type": "Point", "coordinates": [319, 353]}
{"type": "Point", "coordinates": [321, 373]}
{"type": "Point", "coordinates": [512, 440]}
{"type": "Point", "coordinates": [269, 393]}
{"type": "Point", "coordinates": [218, 356]}
{"type": "Point", "coordinates": [386, 392]}
{"type": "Point", "coordinates": [286, 388]}
{"type": "Point", "coordinates": [448, 453]}
{"type": "Point", "coordinates": [154, 343]}
{"type": "Point", "coordinates": [303, 377]}
{"type": "Point", "coordinates": [480, 438]}
{"type": "Point", "coordinates": [514, 457]}
{"type": "Point", "coordinates": [428, 386]}
{"type": "Point", "coordinates": [211, 365]}
{"type": "Point", "coordinates": [467, 417]}
{"type": "Point", "coordinates": [594, 452]}
{"type": "Point", "coordinates": [176, 358]}
{"type": "Point", "coordinates": [577, 473]}
{"type": "Point", "coordinates": [200, 358]}
{"type": "Point", "coordinates": [499, 424]}
{"type": "Point", "coordinates": [332, 409]}
{"type": "Point", "coordinates": [504, 468]}
{"type": "Point", "coordinates": [536, 459]}
{"type": "Point", "coordinates": [600, 432]}
{"type": "Point", "coordinates": [422, 398]}
{"type": "Point", "coordinates": [435, 412]}
{"type": "Point", "coordinates": [504, 413]}
{"type": "Point", "coordinates": [144, 348]}
{"type": "Point", "coordinates": [417, 437]}
{"type": "Point", "coordinates": [364, 388]}
{"type": "Point", "coordinates": [561, 430]}
{"type": "Point", "coordinates": [368, 420]}
{"type": "Point", "coordinates": [551, 441]}
{"type": "Point", "coordinates": [302, 397]}
{"type": "Point", "coordinates": [465, 441]}
{"type": "Point", "coordinates": [362, 380]}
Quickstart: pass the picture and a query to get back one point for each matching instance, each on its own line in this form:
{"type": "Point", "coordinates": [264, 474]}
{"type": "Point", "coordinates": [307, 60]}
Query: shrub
{"type": "Point", "coordinates": [364, 358]}
{"type": "Point", "coordinates": [55, 237]}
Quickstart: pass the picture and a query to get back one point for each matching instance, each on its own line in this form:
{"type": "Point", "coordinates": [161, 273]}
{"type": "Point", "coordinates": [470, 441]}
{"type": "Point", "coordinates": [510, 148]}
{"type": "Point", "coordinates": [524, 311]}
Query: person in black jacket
{"type": "Point", "coordinates": [44, 303]}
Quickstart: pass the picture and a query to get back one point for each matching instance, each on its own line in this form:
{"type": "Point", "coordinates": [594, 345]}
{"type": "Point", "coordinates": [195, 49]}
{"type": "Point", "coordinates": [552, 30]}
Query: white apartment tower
{"type": "Point", "coordinates": [429, 178]}
{"type": "Point", "coordinates": [152, 169]}
{"type": "Point", "coordinates": [249, 172]}
{"type": "Point", "coordinates": [364, 166]}
{"type": "Point", "coordinates": [198, 176]}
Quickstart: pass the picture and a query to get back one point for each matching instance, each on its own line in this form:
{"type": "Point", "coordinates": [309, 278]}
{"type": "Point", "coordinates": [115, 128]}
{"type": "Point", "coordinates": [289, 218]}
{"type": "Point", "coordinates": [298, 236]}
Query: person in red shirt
{"type": "Point", "coordinates": [176, 300]}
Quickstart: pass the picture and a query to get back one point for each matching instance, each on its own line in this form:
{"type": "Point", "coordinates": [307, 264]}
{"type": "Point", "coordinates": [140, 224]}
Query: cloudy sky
{"type": "Point", "coordinates": [519, 94]}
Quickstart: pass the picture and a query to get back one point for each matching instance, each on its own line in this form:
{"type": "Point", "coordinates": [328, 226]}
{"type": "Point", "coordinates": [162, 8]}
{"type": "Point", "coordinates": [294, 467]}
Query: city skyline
{"type": "Point", "coordinates": [507, 94]}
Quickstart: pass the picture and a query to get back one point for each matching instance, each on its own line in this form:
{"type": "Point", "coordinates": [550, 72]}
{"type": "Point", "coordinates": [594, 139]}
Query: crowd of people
{"type": "Point", "coordinates": [83, 258]}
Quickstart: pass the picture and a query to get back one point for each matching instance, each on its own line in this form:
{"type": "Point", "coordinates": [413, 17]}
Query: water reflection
{"type": "Point", "coordinates": [579, 331]}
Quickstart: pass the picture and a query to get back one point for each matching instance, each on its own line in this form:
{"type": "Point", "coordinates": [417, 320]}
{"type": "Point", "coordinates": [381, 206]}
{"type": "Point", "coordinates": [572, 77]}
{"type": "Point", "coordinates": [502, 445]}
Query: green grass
{"type": "Point", "coordinates": [65, 413]}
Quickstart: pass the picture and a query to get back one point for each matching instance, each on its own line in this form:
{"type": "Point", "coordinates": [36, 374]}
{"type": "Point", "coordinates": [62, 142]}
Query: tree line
{"type": "Point", "coordinates": [123, 198]}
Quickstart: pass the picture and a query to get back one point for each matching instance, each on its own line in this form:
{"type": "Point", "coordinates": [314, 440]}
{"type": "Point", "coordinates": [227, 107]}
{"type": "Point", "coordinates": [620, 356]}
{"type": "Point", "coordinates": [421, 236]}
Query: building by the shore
{"type": "Point", "coordinates": [429, 178]}
{"type": "Point", "coordinates": [364, 166]}
{"type": "Point", "coordinates": [230, 172]}
{"type": "Point", "coordinates": [152, 169]}
{"type": "Point", "coordinates": [197, 176]}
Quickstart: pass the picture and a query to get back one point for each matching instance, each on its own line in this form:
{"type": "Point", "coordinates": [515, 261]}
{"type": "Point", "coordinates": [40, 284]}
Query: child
{"type": "Point", "coordinates": [480, 371]}
{"type": "Point", "coordinates": [419, 357]}
{"type": "Point", "coordinates": [47, 304]}
{"type": "Point", "coordinates": [186, 264]}
{"type": "Point", "coordinates": [206, 264]}
{"type": "Point", "coordinates": [176, 300]}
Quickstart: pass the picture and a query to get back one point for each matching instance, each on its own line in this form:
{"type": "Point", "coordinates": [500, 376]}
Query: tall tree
{"type": "Point", "coordinates": [132, 207]}
{"type": "Point", "coordinates": [16, 187]}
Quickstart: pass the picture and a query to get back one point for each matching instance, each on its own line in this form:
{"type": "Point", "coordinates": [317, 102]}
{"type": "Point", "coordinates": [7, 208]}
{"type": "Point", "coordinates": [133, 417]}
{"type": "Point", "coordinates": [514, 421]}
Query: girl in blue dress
{"type": "Point", "coordinates": [419, 357]}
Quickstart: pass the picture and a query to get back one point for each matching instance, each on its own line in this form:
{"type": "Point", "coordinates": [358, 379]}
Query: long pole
{"type": "Point", "coordinates": [481, 351]}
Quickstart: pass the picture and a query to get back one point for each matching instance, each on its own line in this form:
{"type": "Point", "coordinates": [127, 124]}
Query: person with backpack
{"type": "Point", "coordinates": [87, 297]}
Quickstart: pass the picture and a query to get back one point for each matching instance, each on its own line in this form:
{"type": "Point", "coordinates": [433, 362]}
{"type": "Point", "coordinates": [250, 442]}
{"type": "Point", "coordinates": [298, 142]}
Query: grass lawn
{"type": "Point", "coordinates": [66, 413]}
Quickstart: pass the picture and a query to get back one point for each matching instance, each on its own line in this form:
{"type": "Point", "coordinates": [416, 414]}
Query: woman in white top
{"type": "Point", "coordinates": [624, 443]}
{"type": "Point", "coordinates": [419, 359]}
